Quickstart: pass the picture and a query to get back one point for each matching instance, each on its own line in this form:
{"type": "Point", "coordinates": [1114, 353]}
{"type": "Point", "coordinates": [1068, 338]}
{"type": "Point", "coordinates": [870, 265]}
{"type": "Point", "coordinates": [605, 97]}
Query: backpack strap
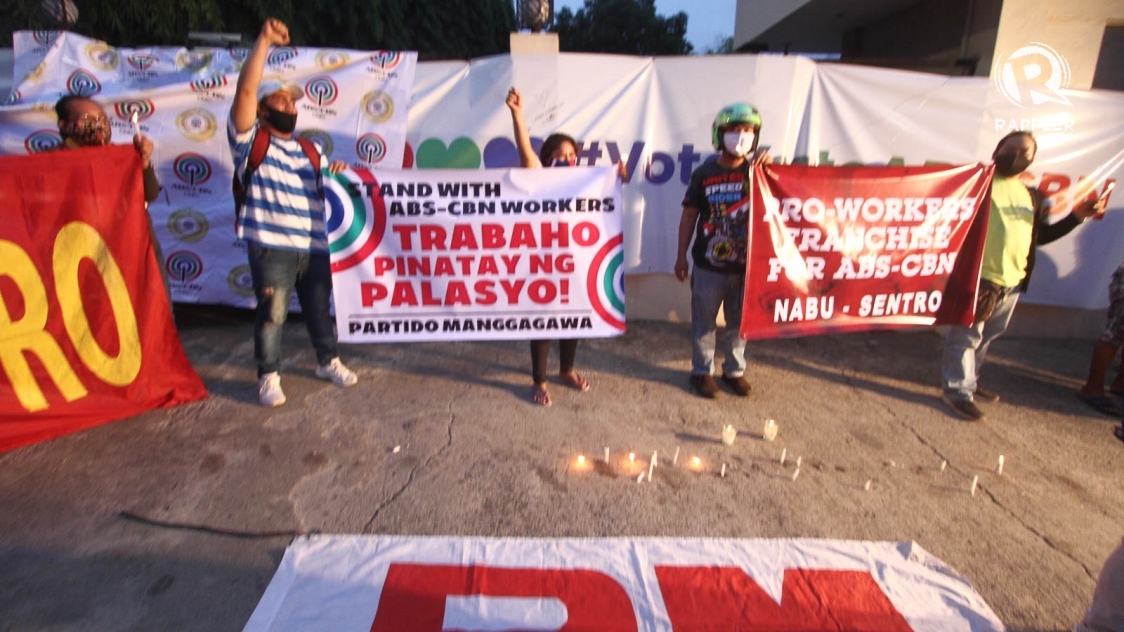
{"type": "Point", "coordinates": [241, 184]}
{"type": "Point", "coordinates": [313, 154]}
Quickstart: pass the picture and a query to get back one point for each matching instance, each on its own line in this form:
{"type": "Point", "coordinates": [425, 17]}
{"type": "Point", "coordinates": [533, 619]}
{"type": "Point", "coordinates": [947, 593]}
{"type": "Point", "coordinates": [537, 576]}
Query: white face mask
{"type": "Point", "coordinates": [738, 143]}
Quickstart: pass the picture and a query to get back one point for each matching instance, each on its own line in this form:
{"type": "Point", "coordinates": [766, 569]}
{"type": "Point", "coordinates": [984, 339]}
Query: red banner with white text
{"type": "Point", "coordinates": [839, 249]}
{"type": "Point", "coordinates": [86, 331]}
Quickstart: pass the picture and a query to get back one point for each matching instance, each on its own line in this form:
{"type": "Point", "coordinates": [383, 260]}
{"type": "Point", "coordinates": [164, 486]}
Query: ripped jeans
{"type": "Point", "coordinates": [275, 274]}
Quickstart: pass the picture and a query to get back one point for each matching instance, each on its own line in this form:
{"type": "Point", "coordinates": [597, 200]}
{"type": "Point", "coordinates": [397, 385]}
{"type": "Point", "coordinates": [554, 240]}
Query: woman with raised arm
{"type": "Point", "coordinates": [558, 150]}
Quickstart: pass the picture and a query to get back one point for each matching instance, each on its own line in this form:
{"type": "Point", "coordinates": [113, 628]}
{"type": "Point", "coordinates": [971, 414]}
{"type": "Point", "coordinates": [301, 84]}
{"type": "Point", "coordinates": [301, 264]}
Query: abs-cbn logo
{"type": "Point", "coordinates": [1033, 75]}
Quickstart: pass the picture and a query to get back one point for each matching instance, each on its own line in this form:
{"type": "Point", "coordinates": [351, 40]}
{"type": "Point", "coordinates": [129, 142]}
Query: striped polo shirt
{"type": "Point", "coordinates": [283, 207]}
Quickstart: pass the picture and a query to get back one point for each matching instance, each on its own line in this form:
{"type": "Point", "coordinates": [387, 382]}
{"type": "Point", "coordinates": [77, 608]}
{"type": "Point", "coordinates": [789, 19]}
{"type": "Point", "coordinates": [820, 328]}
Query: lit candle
{"type": "Point", "coordinates": [640, 479]}
{"type": "Point", "coordinates": [799, 460]}
{"type": "Point", "coordinates": [606, 454]}
{"type": "Point", "coordinates": [696, 463]}
{"type": "Point", "coordinates": [631, 457]}
{"type": "Point", "coordinates": [728, 434]}
{"type": "Point", "coordinates": [675, 459]}
{"type": "Point", "coordinates": [784, 453]}
{"type": "Point", "coordinates": [580, 462]}
{"type": "Point", "coordinates": [867, 486]}
{"type": "Point", "coordinates": [723, 470]}
{"type": "Point", "coordinates": [944, 464]}
{"type": "Point", "coordinates": [999, 467]}
{"type": "Point", "coordinates": [651, 466]}
{"type": "Point", "coordinates": [975, 481]}
{"type": "Point", "coordinates": [795, 474]}
{"type": "Point", "coordinates": [770, 430]}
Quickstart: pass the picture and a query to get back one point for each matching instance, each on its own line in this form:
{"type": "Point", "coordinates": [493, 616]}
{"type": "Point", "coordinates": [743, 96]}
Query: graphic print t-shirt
{"type": "Point", "coordinates": [722, 231]}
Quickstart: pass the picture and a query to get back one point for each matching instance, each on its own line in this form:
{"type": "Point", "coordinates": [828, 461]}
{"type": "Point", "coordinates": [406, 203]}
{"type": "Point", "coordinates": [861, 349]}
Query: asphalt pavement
{"type": "Point", "coordinates": [177, 519]}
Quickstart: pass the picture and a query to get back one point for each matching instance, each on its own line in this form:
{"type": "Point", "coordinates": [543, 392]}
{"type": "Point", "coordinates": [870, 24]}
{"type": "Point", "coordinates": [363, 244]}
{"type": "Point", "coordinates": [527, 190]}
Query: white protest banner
{"type": "Point", "coordinates": [654, 114]}
{"type": "Point", "coordinates": [476, 255]}
{"type": "Point", "coordinates": [428, 584]}
{"type": "Point", "coordinates": [875, 116]}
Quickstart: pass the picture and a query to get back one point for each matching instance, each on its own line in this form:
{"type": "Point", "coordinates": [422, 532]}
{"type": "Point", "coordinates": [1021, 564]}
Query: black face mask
{"type": "Point", "coordinates": [1011, 165]}
{"type": "Point", "coordinates": [281, 121]}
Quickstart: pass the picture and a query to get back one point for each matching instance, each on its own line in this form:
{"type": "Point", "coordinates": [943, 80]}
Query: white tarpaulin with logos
{"type": "Point", "coordinates": [653, 113]}
{"type": "Point", "coordinates": [428, 584]}
{"type": "Point", "coordinates": [356, 105]}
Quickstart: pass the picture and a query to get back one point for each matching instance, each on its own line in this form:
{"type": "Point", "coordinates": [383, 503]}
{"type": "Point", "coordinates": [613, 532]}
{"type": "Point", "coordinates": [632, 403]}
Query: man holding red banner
{"type": "Point", "coordinates": [282, 219]}
{"type": "Point", "coordinates": [84, 123]}
{"type": "Point", "coordinates": [716, 212]}
{"type": "Point", "coordinates": [1018, 223]}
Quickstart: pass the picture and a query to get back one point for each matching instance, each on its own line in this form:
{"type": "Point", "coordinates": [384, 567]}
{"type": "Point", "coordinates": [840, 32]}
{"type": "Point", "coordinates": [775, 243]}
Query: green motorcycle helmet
{"type": "Point", "coordinates": [732, 114]}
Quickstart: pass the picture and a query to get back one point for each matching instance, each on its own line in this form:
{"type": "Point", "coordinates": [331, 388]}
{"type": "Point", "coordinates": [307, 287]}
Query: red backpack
{"type": "Point", "coordinates": [262, 138]}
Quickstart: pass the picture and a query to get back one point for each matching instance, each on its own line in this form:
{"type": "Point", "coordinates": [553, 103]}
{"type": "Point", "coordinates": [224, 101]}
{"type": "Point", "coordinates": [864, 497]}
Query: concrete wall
{"type": "Point", "coordinates": [754, 17]}
{"type": "Point", "coordinates": [932, 30]}
{"type": "Point", "coordinates": [1110, 65]}
{"type": "Point", "coordinates": [1072, 27]}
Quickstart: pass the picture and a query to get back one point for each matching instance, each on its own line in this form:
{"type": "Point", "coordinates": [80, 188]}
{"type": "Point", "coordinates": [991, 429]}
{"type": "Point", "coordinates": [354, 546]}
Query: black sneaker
{"type": "Point", "coordinates": [704, 385]}
{"type": "Point", "coordinates": [986, 396]}
{"type": "Point", "coordinates": [964, 408]}
{"type": "Point", "coordinates": [738, 384]}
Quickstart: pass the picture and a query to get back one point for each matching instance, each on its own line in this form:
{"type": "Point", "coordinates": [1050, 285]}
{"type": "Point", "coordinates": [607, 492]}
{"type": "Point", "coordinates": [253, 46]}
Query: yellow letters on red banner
{"type": "Point", "coordinates": [28, 334]}
{"type": "Point", "coordinates": [75, 241]}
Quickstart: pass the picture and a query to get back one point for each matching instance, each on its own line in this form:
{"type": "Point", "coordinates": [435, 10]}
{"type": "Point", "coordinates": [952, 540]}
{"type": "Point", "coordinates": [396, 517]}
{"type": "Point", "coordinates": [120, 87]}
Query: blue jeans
{"type": "Point", "coordinates": [709, 291]}
{"type": "Point", "coordinates": [275, 274]}
{"type": "Point", "coordinates": [965, 348]}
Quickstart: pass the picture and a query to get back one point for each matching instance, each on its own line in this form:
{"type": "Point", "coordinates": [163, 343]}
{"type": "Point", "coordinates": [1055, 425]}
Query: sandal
{"type": "Point", "coordinates": [540, 396]}
{"type": "Point", "coordinates": [1103, 404]}
{"type": "Point", "coordinates": [575, 381]}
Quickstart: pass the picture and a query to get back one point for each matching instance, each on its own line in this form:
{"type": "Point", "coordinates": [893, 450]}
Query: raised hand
{"type": "Point", "coordinates": [274, 32]}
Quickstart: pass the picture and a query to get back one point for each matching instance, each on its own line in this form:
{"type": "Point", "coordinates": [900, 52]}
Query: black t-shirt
{"type": "Point", "coordinates": [722, 233]}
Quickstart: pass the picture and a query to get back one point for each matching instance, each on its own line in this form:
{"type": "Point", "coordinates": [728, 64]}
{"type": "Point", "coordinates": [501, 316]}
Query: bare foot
{"type": "Point", "coordinates": [574, 381]}
{"type": "Point", "coordinates": [540, 395]}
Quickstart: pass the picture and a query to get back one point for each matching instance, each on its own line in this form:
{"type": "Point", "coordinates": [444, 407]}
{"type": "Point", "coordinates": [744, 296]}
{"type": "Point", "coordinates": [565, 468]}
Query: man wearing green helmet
{"type": "Point", "coordinates": [716, 214]}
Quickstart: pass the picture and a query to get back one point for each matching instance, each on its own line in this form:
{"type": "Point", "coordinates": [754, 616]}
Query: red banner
{"type": "Point", "coordinates": [86, 331]}
{"type": "Point", "coordinates": [838, 249]}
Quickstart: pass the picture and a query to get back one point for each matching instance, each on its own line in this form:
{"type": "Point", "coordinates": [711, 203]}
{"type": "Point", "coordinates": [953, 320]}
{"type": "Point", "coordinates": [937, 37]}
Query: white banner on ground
{"type": "Point", "coordinates": [446, 254]}
{"type": "Point", "coordinates": [428, 584]}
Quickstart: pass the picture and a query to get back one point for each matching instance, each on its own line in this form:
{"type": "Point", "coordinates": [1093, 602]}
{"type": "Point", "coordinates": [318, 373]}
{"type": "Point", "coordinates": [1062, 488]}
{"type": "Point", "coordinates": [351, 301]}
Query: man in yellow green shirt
{"type": "Point", "coordinates": [1019, 222]}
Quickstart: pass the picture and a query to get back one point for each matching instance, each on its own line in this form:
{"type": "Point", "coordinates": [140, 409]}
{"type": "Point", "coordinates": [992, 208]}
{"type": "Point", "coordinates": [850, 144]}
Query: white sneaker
{"type": "Point", "coordinates": [337, 373]}
{"type": "Point", "coordinates": [269, 390]}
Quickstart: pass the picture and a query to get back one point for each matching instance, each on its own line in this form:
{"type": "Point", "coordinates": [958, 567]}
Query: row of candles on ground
{"type": "Point", "coordinates": [729, 433]}
{"type": "Point", "coordinates": [694, 463]}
